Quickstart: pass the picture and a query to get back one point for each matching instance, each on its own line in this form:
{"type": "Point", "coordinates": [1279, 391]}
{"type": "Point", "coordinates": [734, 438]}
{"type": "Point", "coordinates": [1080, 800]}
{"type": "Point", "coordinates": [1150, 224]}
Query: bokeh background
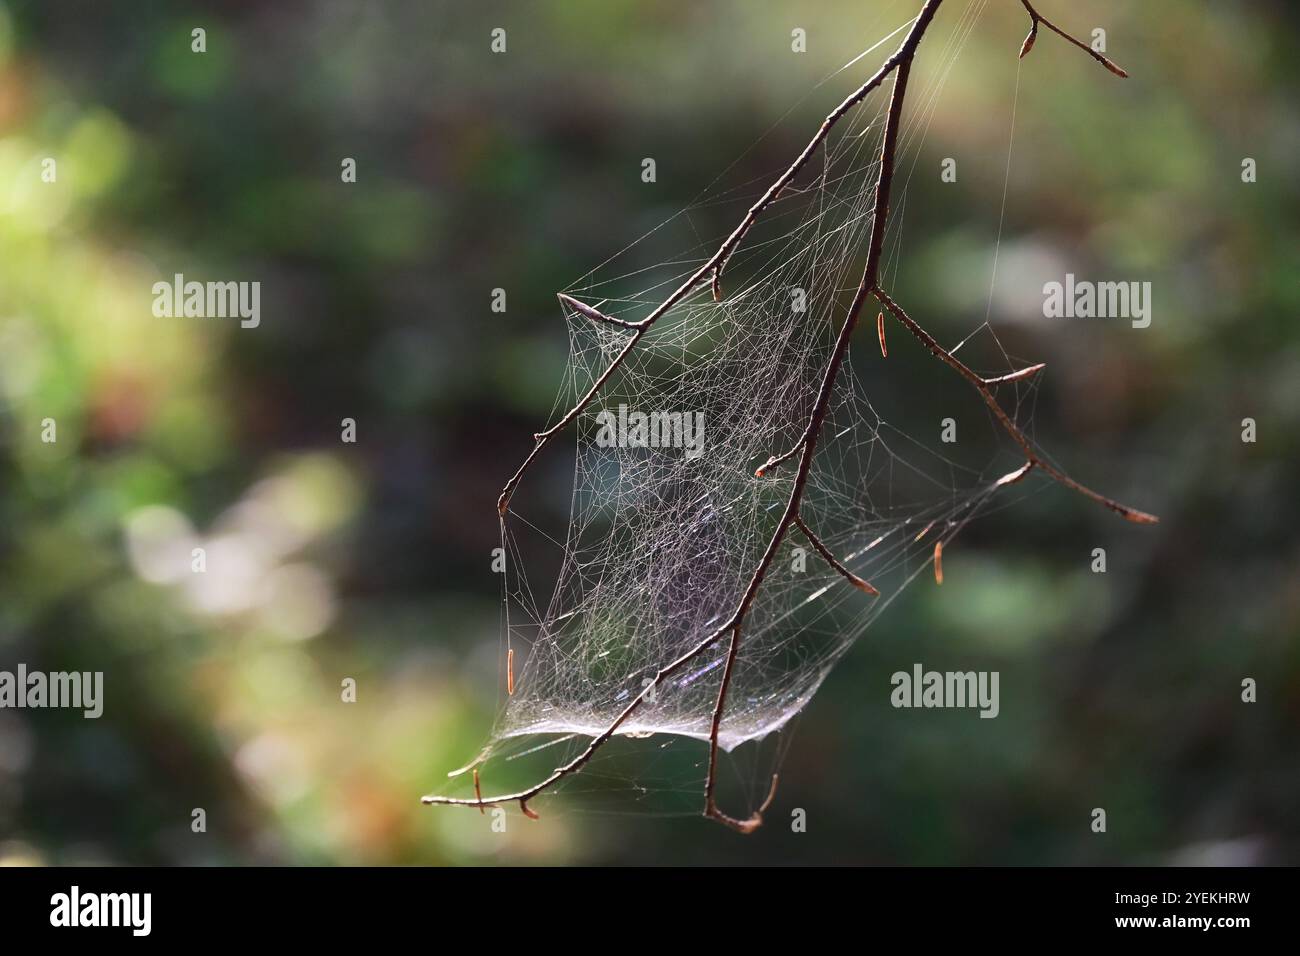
{"type": "Point", "coordinates": [522, 171]}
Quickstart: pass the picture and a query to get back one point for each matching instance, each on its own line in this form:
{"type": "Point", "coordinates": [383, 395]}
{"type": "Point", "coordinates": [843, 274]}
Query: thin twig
{"type": "Point", "coordinates": [1016, 375]}
{"type": "Point", "coordinates": [594, 314]}
{"type": "Point", "coordinates": [986, 392]}
{"type": "Point", "coordinates": [523, 796]}
{"type": "Point", "coordinates": [782, 458]}
{"type": "Point", "coordinates": [830, 559]}
{"type": "Point", "coordinates": [1036, 18]}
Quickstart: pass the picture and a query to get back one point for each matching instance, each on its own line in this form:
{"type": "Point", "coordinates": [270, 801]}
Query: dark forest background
{"type": "Point", "coordinates": [521, 171]}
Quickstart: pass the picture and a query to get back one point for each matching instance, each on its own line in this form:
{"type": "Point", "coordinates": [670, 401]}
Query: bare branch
{"type": "Point", "coordinates": [884, 183]}
{"type": "Point", "coordinates": [900, 64]}
{"type": "Point", "coordinates": [1130, 514]}
{"type": "Point", "coordinates": [523, 796]}
{"type": "Point", "coordinates": [1036, 18]}
{"type": "Point", "coordinates": [713, 267]}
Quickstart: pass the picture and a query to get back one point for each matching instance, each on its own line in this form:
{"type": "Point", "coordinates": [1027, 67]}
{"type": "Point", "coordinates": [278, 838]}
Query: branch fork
{"type": "Point", "coordinates": [1035, 18]}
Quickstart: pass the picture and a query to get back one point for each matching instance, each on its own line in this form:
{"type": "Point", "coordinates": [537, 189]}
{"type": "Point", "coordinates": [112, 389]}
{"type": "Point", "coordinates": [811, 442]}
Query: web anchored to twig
{"type": "Point", "coordinates": [731, 625]}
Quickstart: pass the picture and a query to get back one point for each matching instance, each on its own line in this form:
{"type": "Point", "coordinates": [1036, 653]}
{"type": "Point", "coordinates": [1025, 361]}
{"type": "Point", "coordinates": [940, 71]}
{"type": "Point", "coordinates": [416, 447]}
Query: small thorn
{"type": "Point", "coordinates": [880, 331]}
{"type": "Point", "coordinates": [478, 793]}
{"type": "Point", "coordinates": [716, 285]}
{"type": "Point", "coordinates": [1139, 517]}
{"type": "Point", "coordinates": [938, 562]}
{"type": "Point", "coordinates": [510, 674]}
{"type": "Point", "coordinates": [530, 814]}
{"type": "Point", "coordinates": [1016, 375]}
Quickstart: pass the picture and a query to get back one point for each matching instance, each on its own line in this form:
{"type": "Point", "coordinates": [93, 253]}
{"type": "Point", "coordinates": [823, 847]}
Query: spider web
{"type": "Point", "coordinates": [661, 542]}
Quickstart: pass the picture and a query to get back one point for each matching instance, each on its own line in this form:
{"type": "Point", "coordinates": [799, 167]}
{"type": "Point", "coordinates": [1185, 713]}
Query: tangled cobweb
{"type": "Point", "coordinates": [662, 541]}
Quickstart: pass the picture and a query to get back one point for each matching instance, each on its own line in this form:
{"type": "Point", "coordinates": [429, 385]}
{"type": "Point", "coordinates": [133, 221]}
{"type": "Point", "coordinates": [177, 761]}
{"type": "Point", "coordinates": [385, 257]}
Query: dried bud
{"type": "Point", "coordinates": [862, 585]}
{"type": "Point", "coordinates": [1029, 40]}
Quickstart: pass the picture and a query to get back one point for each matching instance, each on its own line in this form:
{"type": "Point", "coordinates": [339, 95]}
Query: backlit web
{"type": "Point", "coordinates": [662, 541]}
